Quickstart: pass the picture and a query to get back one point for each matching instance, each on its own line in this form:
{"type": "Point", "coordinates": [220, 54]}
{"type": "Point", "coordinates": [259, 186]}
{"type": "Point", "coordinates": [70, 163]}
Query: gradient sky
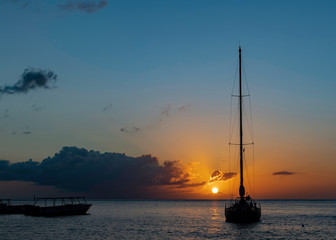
{"type": "Point", "coordinates": [155, 77]}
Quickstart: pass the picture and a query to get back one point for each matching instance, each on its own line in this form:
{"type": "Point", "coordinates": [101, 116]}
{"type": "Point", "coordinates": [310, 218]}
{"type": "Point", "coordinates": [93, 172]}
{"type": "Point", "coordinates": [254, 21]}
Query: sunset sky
{"type": "Point", "coordinates": [155, 77]}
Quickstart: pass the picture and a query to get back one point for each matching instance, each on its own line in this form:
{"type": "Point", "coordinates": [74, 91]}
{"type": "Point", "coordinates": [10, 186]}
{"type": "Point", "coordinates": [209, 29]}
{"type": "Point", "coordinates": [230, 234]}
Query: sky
{"type": "Point", "coordinates": [152, 80]}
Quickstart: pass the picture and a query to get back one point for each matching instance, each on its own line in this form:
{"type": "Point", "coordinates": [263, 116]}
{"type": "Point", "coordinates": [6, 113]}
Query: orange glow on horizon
{"type": "Point", "coordinates": [202, 149]}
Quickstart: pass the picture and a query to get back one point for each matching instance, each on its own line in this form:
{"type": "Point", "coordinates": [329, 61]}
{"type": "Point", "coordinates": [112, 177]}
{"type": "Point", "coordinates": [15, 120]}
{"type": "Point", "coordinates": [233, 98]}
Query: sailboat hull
{"type": "Point", "coordinates": [242, 213]}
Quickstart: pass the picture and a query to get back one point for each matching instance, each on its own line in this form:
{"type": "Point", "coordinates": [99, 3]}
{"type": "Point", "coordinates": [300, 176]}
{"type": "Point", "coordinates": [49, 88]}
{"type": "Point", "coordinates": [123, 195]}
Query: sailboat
{"type": "Point", "coordinates": [243, 209]}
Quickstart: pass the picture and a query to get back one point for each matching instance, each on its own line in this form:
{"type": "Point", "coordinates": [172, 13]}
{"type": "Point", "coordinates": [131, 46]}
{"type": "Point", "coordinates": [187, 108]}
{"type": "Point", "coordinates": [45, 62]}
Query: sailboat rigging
{"type": "Point", "coordinates": [244, 209]}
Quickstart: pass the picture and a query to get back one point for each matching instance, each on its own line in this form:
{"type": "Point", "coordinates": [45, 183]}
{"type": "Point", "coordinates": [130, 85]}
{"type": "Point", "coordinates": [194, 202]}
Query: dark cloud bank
{"type": "Point", "coordinates": [112, 175]}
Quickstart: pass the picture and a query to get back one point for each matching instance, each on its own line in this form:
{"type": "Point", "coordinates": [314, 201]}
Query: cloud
{"type": "Point", "coordinates": [165, 113]}
{"type": "Point", "coordinates": [36, 108]}
{"type": "Point", "coordinates": [88, 6]}
{"type": "Point", "coordinates": [31, 79]}
{"type": "Point", "coordinates": [6, 115]}
{"type": "Point", "coordinates": [107, 107]}
{"type": "Point", "coordinates": [184, 108]}
{"type": "Point", "coordinates": [284, 173]}
{"type": "Point", "coordinates": [165, 110]}
{"type": "Point", "coordinates": [25, 3]}
{"type": "Point", "coordinates": [217, 176]}
{"type": "Point", "coordinates": [115, 175]}
{"type": "Point", "coordinates": [34, 5]}
{"type": "Point", "coordinates": [130, 130]}
{"type": "Point", "coordinates": [83, 6]}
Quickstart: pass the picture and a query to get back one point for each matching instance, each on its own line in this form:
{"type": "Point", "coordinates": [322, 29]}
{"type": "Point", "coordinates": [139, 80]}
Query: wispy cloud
{"type": "Point", "coordinates": [31, 79]}
{"type": "Point", "coordinates": [6, 115]}
{"type": "Point", "coordinates": [83, 6]}
{"type": "Point", "coordinates": [25, 131]}
{"type": "Point", "coordinates": [36, 108]}
{"type": "Point", "coordinates": [107, 107]}
{"type": "Point", "coordinates": [166, 110]}
{"type": "Point", "coordinates": [217, 176]}
{"type": "Point", "coordinates": [86, 6]}
{"type": "Point", "coordinates": [130, 129]}
{"type": "Point", "coordinates": [24, 3]}
{"type": "Point", "coordinates": [184, 108]}
{"type": "Point", "coordinates": [284, 173]}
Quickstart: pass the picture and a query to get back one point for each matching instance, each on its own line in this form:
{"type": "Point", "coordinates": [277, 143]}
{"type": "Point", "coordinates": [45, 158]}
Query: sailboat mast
{"type": "Point", "coordinates": [241, 188]}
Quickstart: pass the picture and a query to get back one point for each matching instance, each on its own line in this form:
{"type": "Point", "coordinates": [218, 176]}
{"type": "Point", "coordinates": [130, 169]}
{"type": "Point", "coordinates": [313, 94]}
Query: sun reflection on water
{"type": "Point", "coordinates": [216, 218]}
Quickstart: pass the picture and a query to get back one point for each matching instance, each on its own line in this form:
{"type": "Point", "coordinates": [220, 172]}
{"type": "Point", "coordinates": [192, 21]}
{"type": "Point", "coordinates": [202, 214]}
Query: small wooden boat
{"type": "Point", "coordinates": [61, 206]}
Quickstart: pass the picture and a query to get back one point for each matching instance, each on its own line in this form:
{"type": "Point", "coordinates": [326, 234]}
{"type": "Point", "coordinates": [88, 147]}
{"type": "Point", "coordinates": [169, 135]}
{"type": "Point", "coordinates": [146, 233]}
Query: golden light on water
{"type": "Point", "coordinates": [214, 190]}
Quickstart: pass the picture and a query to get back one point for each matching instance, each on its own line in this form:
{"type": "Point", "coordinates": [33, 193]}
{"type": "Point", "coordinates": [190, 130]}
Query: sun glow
{"type": "Point", "coordinates": [214, 190]}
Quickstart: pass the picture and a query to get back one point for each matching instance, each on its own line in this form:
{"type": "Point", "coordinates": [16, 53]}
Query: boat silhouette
{"type": "Point", "coordinates": [243, 209]}
{"type": "Point", "coordinates": [59, 206]}
{"type": "Point", "coordinates": [6, 207]}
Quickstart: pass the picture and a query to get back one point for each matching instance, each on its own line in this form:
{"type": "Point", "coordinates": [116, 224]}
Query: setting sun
{"type": "Point", "coordinates": [215, 190]}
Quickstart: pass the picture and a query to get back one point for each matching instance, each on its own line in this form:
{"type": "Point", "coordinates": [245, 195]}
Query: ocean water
{"type": "Point", "coordinates": [178, 220]}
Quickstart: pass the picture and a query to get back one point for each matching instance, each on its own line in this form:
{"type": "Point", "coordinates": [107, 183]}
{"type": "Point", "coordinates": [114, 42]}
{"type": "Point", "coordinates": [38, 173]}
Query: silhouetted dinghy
{"type": "Point", "coordinates": [62, 206]}
{"type": "Point", "coordinates": [6, 207]}
{"type": "Point", "coordinates": [244, 209]}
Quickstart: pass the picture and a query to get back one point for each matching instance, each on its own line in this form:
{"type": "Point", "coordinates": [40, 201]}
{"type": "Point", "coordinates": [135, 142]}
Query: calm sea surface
{"type": "Point", "coordinates": [178, 220]}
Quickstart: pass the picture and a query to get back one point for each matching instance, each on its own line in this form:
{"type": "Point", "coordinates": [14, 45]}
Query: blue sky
{"type": "Point", "coordinates": [142, 56]}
